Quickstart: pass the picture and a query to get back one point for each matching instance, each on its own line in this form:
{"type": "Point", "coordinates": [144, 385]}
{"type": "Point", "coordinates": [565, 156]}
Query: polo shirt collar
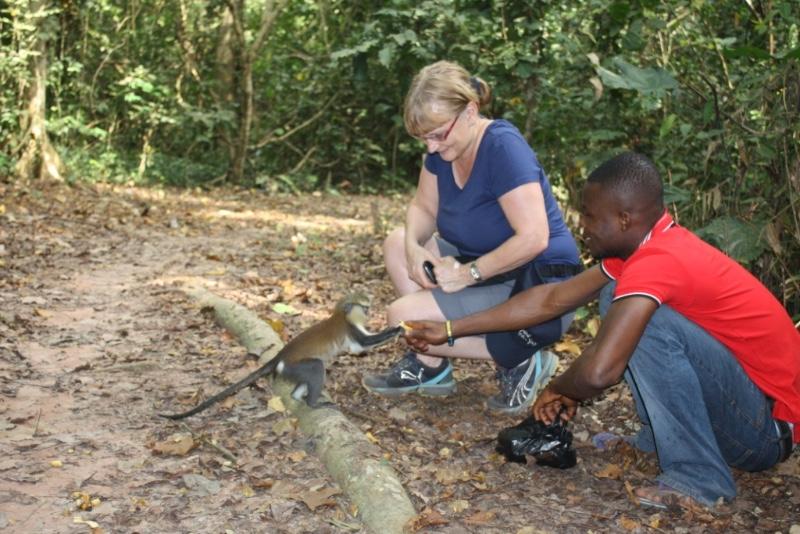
{"type": "Point", "coordinates": [664, 223]}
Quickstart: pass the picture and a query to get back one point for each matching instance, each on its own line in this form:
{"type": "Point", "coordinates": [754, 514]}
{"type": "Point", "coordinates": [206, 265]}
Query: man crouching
{"type": "Point", "coordinates": [710, 355]}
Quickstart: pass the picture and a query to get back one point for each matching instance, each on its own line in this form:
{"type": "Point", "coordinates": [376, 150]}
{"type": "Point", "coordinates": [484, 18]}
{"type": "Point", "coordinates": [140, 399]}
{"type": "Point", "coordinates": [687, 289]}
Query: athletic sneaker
{"type": "Point", "coordinates": [409, 375]}
{"type": "Point", "coordinates": [520, 386]}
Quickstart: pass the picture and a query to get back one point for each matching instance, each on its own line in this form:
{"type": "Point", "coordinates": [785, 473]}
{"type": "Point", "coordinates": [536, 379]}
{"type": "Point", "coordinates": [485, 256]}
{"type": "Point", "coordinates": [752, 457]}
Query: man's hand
{"type": "Point", "coordinates": [549, 405]}
{"type": "Point", "coordinates": [421, 334]}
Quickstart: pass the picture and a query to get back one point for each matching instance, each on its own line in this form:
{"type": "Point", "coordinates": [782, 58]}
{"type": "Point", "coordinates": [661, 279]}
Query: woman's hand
{"type": "Point", "coordinates": [420, 334]}
{"type": "Point", "coordinates": [452, 275]}
{"type": "Point", "coordinates": [416, 255]}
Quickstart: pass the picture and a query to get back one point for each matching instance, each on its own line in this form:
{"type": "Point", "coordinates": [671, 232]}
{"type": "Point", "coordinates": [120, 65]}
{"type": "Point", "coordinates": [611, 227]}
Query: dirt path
{"type": "Point", "coordinates": [96, 337]}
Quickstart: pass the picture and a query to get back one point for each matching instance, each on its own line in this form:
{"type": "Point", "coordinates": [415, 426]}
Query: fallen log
{"type": "Point", "coordinates": [354, 463]}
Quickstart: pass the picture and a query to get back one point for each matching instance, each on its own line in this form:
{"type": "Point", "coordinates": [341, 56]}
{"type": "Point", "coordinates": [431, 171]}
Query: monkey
{"type": "Point", "coordinates": [303, 360]}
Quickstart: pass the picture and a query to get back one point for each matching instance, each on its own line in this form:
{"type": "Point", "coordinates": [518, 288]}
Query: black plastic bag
{"type": "Point", "coordinates": [550, 445]}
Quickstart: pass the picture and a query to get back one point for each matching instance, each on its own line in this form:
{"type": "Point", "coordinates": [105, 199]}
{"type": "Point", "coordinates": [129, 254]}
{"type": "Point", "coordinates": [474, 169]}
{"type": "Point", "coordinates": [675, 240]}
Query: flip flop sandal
{"type": "Point", "coordinates": [663, 497]}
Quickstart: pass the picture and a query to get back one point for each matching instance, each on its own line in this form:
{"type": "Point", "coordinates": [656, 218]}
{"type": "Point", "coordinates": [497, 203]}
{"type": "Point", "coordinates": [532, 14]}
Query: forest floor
{"type": "Point", "coordinates": [97, 336]}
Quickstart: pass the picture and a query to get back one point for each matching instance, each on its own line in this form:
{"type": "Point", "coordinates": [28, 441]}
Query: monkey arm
{"type": "Point", "coordinates": [367, 340]}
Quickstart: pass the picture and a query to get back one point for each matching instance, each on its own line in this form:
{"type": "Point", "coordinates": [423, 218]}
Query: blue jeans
{"type": "Point", "coordinates": [699, 410]}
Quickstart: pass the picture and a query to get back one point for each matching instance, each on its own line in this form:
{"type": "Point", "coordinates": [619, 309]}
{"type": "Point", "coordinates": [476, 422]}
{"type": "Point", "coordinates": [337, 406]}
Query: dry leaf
{"type": "Point", "coordinates": [247, 491]}
{"type": "Point", "coordinates": [285, 489]}
{"type": "Point", "coordinates": [276, 403]}
{"type": "Point", "coordinates": [283, 426]}
{"type": "Point", "coordinates": [262, 483]}
{"type": "Point", "coordinates": [427, 518]}
{"type": "Point", "coordinates": [297, 456]}
{"type": "Point", "coordinates": [612, 471]}
{"type": "Point", "coordinates": [592, 326]}
{"type": "Point", "coordinates": [450, 475]}
{"type": "Point", "coordinates": [43, 313]}
{"type": "Point", "coordinates": [371, 438]}
{"type": "Point", "coordinates": [179, 445]}
{"type": "Point", "coordinates": [321, 497]}
{"type": "Point", "coordinates": [568, 346]}
{"type": "Point", "coordinates": [83, 501]}
{"type": "Point", "coordinates": [631, 495]}
{"type": "Point", "coordinates": [276, 324]}
{"type": "Point", "coordinates": [81, 521]}
{"type": "Point", "coordinates": [459, 505]}
{"type": "Point", "coordinates": [655, 522]}
{"type": "Point", "coordinates": [481, 518]}
{"type": "Point", "coordinates": [628, 523]}
{"type": "Point", "coordinates": [56, 463]}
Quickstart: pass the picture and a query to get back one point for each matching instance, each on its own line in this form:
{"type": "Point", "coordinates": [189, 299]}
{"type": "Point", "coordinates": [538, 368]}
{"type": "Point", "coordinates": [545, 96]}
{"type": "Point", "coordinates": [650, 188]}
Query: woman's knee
{"type": "Point", "coordinates": [415, 306]}
{"type": "Point", "coordinates": [394, 246]}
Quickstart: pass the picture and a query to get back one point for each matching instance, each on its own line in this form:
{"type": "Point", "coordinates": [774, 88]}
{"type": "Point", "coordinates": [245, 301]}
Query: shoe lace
{"type": "Point", "coordinates": [513, 383]}
{"type": "Point", "coordinates": [507, 383]}
{"type": "Point", "coordinates": [408, 368]}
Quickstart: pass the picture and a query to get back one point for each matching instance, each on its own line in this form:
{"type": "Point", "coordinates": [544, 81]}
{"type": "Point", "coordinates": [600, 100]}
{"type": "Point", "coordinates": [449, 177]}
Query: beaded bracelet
{"type": "Point", "coordinates": [449, 328]}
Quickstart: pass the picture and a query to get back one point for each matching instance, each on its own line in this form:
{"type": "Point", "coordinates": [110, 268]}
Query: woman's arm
{"type": "Point", "coordinates": [524, 208]}
{"type": "Point", "coordinates": [420, 225]}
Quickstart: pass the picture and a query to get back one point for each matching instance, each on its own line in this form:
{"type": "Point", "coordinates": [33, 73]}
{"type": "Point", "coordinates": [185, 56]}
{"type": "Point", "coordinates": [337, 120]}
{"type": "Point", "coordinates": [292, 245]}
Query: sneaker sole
{"type": "Point", "coordinates": [438, 390]}
{"type": "Point", "coordinates": [548, 370]}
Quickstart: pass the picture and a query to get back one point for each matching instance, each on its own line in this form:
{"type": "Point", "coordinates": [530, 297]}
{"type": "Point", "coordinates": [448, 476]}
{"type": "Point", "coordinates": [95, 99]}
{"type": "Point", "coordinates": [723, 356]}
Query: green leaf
{"type": "Point", "coordinates": [407, 36]}
{"type": "Point", "coordinates": [746, 51]}
{"type": "Point", "coordinates": [284, 309]}
{"type": "Point", "coordinates": [738, 239]}
{"type": "Point", "coordinates": [676, 195]}
{"type": "Point", "coordinates": [604, 135]}
{"type": "Point", "coordinates": [789, 54]}
{"type": "Point", "coordinates": [666, 125]}
{"type": "Point", "coordinates": [386, 54]}
{"type": "Point", "coordinates": [654, 80]}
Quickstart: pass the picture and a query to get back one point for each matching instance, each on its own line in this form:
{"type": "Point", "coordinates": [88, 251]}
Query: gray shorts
{"type": "Point", "coordinates": [507, 349]}
{"type": "Point", "coordinates": [470, 299]}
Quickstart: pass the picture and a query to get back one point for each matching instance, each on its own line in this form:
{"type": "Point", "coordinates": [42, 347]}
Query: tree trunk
{"type": "Point", "coordinates": [38, 158]}
{"type": "Point", "coordinates": [247, 54]}
{"type": "Point", "coordinates": [353, 462]}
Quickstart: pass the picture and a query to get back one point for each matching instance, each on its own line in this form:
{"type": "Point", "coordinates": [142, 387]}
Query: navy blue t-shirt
{"type": "Point", "coordinates": [472, 219]}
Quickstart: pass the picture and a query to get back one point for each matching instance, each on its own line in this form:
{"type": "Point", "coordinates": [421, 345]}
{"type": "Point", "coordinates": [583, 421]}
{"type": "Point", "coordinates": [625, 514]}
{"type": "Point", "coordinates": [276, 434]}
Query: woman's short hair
{"type": "Point", "coordinates": [438, 92]}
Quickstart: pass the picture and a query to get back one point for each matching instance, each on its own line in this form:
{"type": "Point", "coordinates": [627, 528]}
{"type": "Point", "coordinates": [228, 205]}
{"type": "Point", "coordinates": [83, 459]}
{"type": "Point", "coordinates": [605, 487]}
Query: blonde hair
{"type": "Point", "coordinates": [438, 92]}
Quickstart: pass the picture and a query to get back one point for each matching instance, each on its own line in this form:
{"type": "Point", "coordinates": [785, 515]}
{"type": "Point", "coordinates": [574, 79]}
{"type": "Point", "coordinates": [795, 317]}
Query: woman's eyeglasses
{"type": "Point", "coordinates": [439, 137]}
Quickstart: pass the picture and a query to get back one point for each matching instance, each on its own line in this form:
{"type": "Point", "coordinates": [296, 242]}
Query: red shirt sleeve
{"type": "Point", "coordinates": [653, 273]}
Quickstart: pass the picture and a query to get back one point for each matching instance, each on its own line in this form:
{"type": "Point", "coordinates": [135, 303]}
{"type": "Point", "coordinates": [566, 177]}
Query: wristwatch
{"type": "Point", "coordinates": [474, 272]}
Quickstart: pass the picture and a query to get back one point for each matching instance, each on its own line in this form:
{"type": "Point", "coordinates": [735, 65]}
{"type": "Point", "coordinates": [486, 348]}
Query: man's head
{"type": "Point", "coordinates": [622, 200]}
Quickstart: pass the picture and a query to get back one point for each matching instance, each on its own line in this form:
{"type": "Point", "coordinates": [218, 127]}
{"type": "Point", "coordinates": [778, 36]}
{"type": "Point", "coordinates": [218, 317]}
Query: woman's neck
{"type": "Point", "coordinates": [462, 165]}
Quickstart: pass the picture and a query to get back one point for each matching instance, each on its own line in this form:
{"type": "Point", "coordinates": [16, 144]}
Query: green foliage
{"type": "Point", "coordinates": [738, 239]}
{"type": "Point", "coordinates": [709, 90]}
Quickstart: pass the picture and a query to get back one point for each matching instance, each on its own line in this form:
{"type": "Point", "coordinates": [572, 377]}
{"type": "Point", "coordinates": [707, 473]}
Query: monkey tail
{"type": "Point", "coordinates": [264, 370]}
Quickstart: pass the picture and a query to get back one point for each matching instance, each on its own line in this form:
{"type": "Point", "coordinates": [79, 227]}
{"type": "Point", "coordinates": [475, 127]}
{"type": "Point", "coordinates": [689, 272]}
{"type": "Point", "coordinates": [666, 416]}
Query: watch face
{"type": "Point", "coordinates": [473, 270]}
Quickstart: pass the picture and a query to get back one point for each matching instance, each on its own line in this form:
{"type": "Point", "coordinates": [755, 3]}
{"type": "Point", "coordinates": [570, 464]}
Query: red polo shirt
{"type": "Point", "coordinates": [675, 267]}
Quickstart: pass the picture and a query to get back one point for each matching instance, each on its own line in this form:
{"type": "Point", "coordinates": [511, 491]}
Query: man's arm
{"type": "Point", "coordinates": [602, 363]}
{"type": "Point", "coordinates": [534, 305]}
{"type": "Point", "coordinates": [526, 309]}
